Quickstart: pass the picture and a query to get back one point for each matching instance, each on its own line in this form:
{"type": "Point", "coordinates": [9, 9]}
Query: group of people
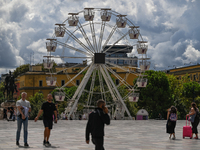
{"type": "Point", "coordinates": [9, 113]}
{"type": "Point", "coordinates": [172, 117]}
{"type": "Point", "coordinates": [96, 121]}
{"type": "Point", "coordinates": [95, 126]}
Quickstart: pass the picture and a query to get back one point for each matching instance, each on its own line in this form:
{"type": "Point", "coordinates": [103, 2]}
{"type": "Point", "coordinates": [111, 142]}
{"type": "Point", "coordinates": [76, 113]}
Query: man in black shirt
{"type": "Point", "coordinates": [48, 108]}
{"type": "Point", "coordinates": [96, 122]}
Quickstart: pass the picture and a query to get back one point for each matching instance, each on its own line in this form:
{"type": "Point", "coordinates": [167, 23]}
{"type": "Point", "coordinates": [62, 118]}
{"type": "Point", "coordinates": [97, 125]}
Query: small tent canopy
{"type": "Point", "coordinates": [142, 114]}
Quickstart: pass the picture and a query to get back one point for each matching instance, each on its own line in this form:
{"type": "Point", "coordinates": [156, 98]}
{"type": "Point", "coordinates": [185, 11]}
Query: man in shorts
{"type": "Point", "coordinates": [48, 108]}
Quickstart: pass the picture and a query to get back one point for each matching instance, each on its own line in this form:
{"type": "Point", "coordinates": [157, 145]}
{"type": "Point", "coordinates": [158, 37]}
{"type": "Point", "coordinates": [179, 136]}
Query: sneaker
{"type": "Point", "coordinates": [47, 144]}
{"type": "Point", "coordinates": [196, 138]}
{"type": "Point", "coordinates": [173, 138]}
{"type": "Point", "coordinates": [169, 137]}
{"type": "Point", "coordinates": [26, 145]}
{"type": "Point", "coordinates": [17, 143]}
{"type": "Point", "coordinates": [44, 142]}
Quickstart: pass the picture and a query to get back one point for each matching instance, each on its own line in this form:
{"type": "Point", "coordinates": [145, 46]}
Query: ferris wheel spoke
{"type": "Point", "coordinates": [101, 35]}
{"type": "Point", "coordinates": [117, 51]}
{"type": "Point", "coordinates": [109, 37]}
{"type": "Point", "coordinates": [71, 57]}
{"type": "Point", "coordinates": [73, 48]}
{"type": "Point", "coordinates": [116, 42]}
{"type": "Point", "coordinates": [86, 37]}
{"type": "Point", "coordinates": [91, 88]}
{"type": "Point", "coordinates": [75, 76]}
{"type": "Point", "coordinates": [120, 58]}
{"type": "Point", "coordinates": [117, 92]}
{"type": "Point", "coordinates": [118, 77]}
{"type": "Point", "coordinates": [93, 36]}
{"type": "Point", "coordinates": [68, 68]}
{"type": "Point", "coordinates": [101, 85]}
{"type": "Point", "coordinates": [108, 84]}
{"type": "Point", "coordinates": [125, 69]}
{"type": "Point", "coordinates": [77, 40]}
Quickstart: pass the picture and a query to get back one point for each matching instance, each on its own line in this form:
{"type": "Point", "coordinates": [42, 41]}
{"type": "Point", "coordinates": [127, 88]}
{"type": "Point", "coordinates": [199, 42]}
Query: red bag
{"type": "Point", "coordinates": [187, 130]}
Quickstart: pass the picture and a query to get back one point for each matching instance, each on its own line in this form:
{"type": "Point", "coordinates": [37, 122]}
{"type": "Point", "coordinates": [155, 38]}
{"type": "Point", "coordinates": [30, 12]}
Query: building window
{"type": "Point", "coordinates": [179, 77]}
{"type": "Point", "coordinates": [117, 81]}
{"type": "Point", "coordinates": [114, 70]}
{"type": "Point", "coordinates": [62, 82]}
{"type": "Point", "coordinates": [120, 62]}
{"type": "Point", "coordinates": [191, 77]}
{"type": "Point", "coordinates": [77, 82]}
{"type": "Point", "coordinates": [40, 83]}
{"type": "Point", "coordinates": [194, 77]}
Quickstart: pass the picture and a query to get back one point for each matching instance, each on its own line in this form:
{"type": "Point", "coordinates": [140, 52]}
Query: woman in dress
{"type": "Point", "coordinates": [194, 119]}
{"type": "Point", "coordinates": [171, 121]}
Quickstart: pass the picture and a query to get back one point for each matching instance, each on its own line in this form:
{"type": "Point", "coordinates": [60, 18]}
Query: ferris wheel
{"type": "Point", "coordinates": [96, 35]}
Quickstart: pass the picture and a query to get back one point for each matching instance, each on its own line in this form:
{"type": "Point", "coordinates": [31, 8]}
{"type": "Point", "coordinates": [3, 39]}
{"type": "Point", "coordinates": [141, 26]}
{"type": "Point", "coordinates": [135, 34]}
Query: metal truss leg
{"type": "Point", "coordinates": [117, 92]}
{"type": "Point", "coordinates": [80, 89]}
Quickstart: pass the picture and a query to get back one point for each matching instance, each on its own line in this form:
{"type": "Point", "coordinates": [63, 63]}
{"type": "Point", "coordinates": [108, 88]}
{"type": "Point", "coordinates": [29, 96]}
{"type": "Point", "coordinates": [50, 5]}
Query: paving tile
{"type": "Point", "coordinates": [120, 135]}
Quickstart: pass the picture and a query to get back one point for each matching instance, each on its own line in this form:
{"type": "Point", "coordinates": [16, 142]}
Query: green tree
{"type": "Point", "coordinates": [155, 98]}
{"type": "Point", "coordinates": [1, 92]}
{"type": "Point", "coordinates": [21, 69]}
{"type": "Point", "coordinates": [36, 102]}
{"type": "Point", "coordinates": [176, 90]}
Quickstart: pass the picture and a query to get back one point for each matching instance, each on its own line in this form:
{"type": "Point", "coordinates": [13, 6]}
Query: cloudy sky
{"type": "Point", "coordinates": [171, 27]}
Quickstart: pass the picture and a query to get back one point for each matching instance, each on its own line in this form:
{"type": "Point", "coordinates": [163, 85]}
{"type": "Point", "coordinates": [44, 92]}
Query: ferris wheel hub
{"type": "Point", "coordinates": [99, 58]}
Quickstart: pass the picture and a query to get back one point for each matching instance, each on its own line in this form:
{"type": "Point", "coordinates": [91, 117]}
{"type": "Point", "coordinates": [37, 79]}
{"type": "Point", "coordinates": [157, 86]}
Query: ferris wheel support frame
{"type": "Point", "coordinates": [117, 92]}
{"type": "Point", "coordinates": [80, 89]}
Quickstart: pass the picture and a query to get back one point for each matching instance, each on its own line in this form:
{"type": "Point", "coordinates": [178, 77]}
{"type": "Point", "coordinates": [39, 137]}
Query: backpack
{"type": "Point", "coordinates": [197, 115]}
{"type": "Point", "coordinates": [173, 117]}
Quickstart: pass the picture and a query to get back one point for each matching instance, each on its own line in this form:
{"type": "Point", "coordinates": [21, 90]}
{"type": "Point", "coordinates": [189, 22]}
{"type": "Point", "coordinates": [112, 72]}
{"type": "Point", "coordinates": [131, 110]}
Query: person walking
{"type": "Point", "coordinates": [95, 125]}
{"type": "Point", "coordinates": [171, 121]}
{"type": "Point", "coordinates": [194, 118]}
{"type": "Point", "coordinates": [48, 108]}
{"type": "Point", "coordinates": [22, 118]}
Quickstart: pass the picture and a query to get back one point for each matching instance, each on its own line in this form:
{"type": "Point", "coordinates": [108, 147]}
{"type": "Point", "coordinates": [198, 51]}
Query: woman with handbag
{"type": "Point", "coordinates": [171, 121]}
{"type": "Point", "coordinates": [194, 118]}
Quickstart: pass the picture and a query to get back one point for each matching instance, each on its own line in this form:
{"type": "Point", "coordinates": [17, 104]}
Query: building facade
{"type": "Point", "coordinates": [192, 71]}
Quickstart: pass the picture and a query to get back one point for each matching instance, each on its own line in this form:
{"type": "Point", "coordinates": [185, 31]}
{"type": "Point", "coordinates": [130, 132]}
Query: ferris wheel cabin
{"type": "Point", "coordinates": [59, 31]}
{"type": "Point", "coordinates": [142, 47]}
{"type": "Point", "coordinates": [142, 82]}
{"type": "Point", "coordinates": [134, 32]}
{"type": "Point", "coordinates": [48, 63]}
{"type": "Point", "coordinates": [134, 97]}
{"type": "Point", "coordinates": [59, 96]}
{"type": "Point", "coordinates": [144, 65]}
{"type": "Point", "coordinates": [73, 19]}
{"type": "Point", "coordinates": [51, 45]}
{"type": "Point", "coordinates": [121, 21]}
{"type": "Point", "coordinates": [51, 81]}
{"type": "Point", "coordinates": [88, 14]}
{"type": "Point", "coordinates": [105, 15]}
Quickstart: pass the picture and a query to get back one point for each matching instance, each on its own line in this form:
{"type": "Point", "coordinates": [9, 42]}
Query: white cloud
{"type": "Point", "coordinates": [169, 26]}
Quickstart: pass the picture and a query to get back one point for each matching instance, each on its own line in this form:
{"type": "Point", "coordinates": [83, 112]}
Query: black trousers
{"type": "Point", "coordinates": [98, 142]}
{"type": "Point", "coordinates": [194, 126]}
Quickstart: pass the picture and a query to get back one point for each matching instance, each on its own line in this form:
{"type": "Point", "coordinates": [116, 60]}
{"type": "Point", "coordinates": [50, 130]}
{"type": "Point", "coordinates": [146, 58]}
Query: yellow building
{"type": "Point", "coordinates": [35, 79]}
{"type": "Point", "coordinates": [192, 71]}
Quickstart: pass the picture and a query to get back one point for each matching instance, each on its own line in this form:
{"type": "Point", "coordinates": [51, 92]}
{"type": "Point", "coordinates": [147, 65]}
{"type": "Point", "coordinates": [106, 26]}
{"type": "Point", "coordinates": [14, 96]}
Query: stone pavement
{"type": "Point", "coordinates": [120, 135]}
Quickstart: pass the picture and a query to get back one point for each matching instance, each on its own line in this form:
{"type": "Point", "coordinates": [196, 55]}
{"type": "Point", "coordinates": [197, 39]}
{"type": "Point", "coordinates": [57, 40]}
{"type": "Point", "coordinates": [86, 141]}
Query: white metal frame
{"type": "Point", "coordinates": [90, 46]}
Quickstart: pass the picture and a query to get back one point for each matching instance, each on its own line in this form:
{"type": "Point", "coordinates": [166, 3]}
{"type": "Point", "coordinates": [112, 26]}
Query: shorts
{"type": "Point", "coordinates": [48, 123]}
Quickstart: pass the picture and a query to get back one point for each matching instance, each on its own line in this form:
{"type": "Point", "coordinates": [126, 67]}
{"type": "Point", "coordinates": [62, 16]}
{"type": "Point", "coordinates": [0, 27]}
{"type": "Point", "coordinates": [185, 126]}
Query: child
{"type": "Point", "coordinates": [171, 121]}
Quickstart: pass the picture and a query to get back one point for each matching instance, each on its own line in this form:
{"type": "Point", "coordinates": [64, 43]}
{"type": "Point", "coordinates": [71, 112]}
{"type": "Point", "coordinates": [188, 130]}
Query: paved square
{"type": "Point", "coordinates": [120, 135]}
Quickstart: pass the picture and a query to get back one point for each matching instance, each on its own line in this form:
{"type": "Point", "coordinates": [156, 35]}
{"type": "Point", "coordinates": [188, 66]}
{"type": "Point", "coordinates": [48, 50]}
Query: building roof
{"type": "Point", "coordinates": [118, 47]}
